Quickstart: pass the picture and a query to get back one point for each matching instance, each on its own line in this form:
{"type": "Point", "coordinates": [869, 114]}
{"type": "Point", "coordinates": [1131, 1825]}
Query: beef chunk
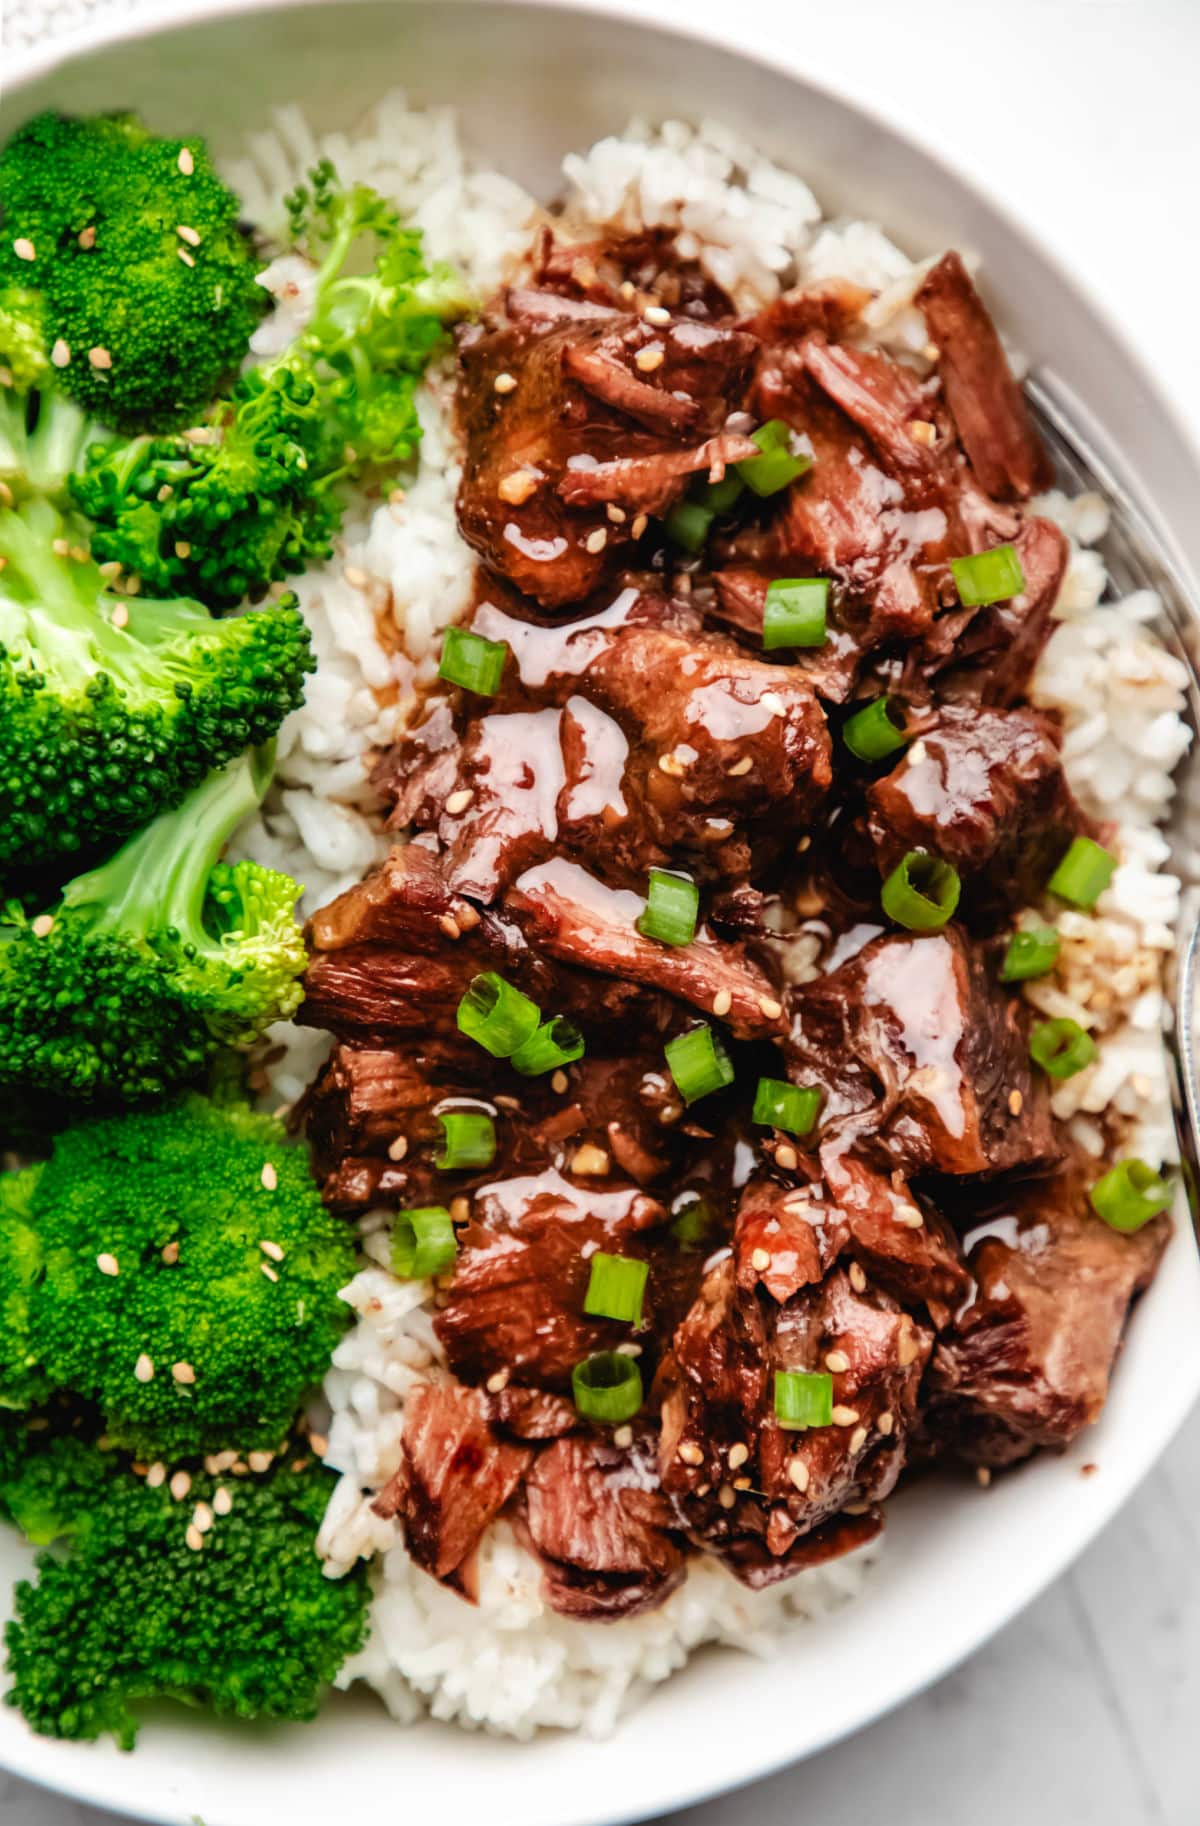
{"type": "Point", "coordinates": [1028, 1362]}
{"type": "Point", "coordinates": [596, 390]}
{"type": "Point", "coordinates": [455, 1477]}
{"type": "Point", "coordinates": [916, 1047]}
{"type": "Point", "coordinates": [532, 1414]}
{"type": "Point", "coordinates": [996, 432]}
{"type": "Point", "coordinates": [603, 1530]}
{"type": "Point", "coordinates": [987, 655]}
{"type": "Point", "coordinates": [740, 602]}
{"type": "Point", "coordinates": [985, 791]}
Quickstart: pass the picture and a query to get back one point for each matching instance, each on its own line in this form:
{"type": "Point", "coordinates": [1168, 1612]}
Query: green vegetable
{"type": "Point", "coordinates": [468, 1140]}
{"type": "Point", "coordinates": [985, 577]}
{"type": "Point", "coordinates": [472, 662]}
{"type": "Point", "coordinates": [556, 1043]}
{"type": "Point", "coordinates": [1129, 1195]}
{"type": "Point", "coordinates": [111, 707]}
{"type": "Point", "coordinates": [672, 908]}
{"type": "Point", "coordinates": [247, 1624]}
{"type": "Point", "coordinates": [423, 1243]}
{"type": "Point", "coordinates": [154, 959]}
{"type": "Point", "coordinates": [215, 1344]}
{"type": "Point", "coordinates": [1030, 954]}
{"type": "Point", "coordinates": [780, 1105]}
{"type": "Point", "coordinates": [43, 434]}
{"type": "Point", "coordinates": [873, 733]}
{"type": "Point", "coordinates": [794, 615]}
{"type": "Point", "coordinates": [616, 1287]}
{"type": "Point", "coordinates": [687, 525]}
{"type": "Point", "coordinates": [777, 466]}
{"type": "Point", "coordinates": [21, 1383]}
{"type": "Point", "coordinates": [921, 892]}
{"type": "Point", "coordinates": [150, 320]}
{"type": "Point", "coordinates": [1061, 1047]}
{"type": "Point", "coordinates": [698, 1063]}
{"type": "Point", "coordinates": [497, 1016]}
{"type": "Point", "coordinates": [251, 496]}
{"type": "Point", "coordinates": [1083, 874]}
{"type": "Point", "coordinates": [803, 1398]}
{"type": "Point", "coordinates": [607, 1387]}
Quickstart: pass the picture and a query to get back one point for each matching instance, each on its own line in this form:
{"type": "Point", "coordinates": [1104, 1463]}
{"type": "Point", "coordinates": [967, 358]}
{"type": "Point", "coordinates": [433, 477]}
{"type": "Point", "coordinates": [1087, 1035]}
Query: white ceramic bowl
{"type": "Point", "coordinates": [533, 81]}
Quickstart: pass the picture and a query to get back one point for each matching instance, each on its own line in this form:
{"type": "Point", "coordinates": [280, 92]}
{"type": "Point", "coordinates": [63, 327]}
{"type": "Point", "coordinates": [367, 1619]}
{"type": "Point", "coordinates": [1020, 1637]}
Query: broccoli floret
{"type": "Point", "coordinates": [112, 706]}
{"type": "Point", "coordinates": [222, 1310]}
{"type": "Point", "coordinates": [150, 284]}
{"type": "Point", "coordinates": [251, 496]}
{"type": "Point", "coordinates": [154, 959]}
{"type": "Point", "coordinates": [43, 434]}
{"type": "Point", "coordinates": [21, 1384]}
{"type": "Point", "coordinates": [238, 1616]}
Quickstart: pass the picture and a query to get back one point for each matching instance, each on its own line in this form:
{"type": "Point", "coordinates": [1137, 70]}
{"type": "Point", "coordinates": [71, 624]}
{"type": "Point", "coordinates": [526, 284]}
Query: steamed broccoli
{"type": "Point", "coordinates": [154, 959]}
{"type": "Point", "coordinates": [149, 283]}
{"type": "Point", "coordinates": [21, 1384]}
{"type": "Point", "coordinates": [250, 496]}
{"type": "Point", "coordinates": [112, 706]}
{"type": "Point", "coordinates": [143, 1604]}
{"type": "Point", "coordinates": [222, 1309]}
{"type": "Point", "coordinates": [43, 434]}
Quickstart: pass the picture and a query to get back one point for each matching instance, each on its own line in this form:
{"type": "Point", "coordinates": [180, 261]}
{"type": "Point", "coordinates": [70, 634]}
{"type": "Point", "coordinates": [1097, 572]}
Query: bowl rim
{"type": "Point", "coordinates": [60, 1768]}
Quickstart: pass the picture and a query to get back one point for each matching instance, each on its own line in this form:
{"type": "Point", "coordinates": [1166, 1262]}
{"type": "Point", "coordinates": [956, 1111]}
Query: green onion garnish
{"type": "Point", "coordinates": [1130, 1195]}
{"type": "Point", "coordinates": [776, 467]}
{"type": "Point", "coordinates": [607, 1386]}
{"type": "Point", "coordinates": [1083, 874]}
{"type": "Point", "coordinates": [795, 613]}
{"type": "Point", "coordinates": [722, 495]}
{"type": "Point", "coordinates": [615, 1288]}
{"type": "Point", "coordinates": [1061, 1047]}
{"type": "Point", "coordinates": [497, 1016]}
{"type": "Point", "coordinates": [921, 892]}
{"type": "Point", "coordinates": [1030, 954]}
{"type": "Point", "coordinates": [985, 577]}
{"type": "Point", "coordinates": [687, 524]}
{"type": "Point", "coordinates": [779, 1105]}
{"type": "Point", "coordinates": [693, 1225]}
{"type": "Point", "coordinates": [698, 1063]}
{"type": "Point", "coordinates": [472, 662]}
{"type": "Point", "coordinates": [423, 1243]}
{"type": "Point", "coordinates": [874, 732]}
{"type": "Point", "coordinates": [672, 905]}
{"type": "Point", "coordinates": [803, 1398]}
{"type": "Point", "coordinates": [468, 1140]}
{"type": "Point", "coordinates": [556, 1043]}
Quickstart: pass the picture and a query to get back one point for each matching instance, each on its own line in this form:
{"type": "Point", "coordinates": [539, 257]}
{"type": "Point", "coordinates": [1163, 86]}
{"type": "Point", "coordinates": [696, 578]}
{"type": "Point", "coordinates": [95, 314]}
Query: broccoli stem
{"type": "Point", "coordinates": [44, 437]}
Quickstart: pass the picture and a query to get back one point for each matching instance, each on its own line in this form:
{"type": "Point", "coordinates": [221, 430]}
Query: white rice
{"type": "Point", "coordinates": [510, 1664]}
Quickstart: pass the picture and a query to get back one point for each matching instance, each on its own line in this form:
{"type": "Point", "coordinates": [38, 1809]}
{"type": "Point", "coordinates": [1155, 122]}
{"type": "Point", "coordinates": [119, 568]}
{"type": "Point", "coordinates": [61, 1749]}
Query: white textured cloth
{"type": "Point", "coordinates": [24, 22]}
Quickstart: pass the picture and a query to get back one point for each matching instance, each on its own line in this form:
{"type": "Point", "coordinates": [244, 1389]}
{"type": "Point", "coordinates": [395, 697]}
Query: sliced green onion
{"type": "Point", "coordinates": [672, 906]}
{"type": "Point", "coordinates": [803, 1398]}
{"type": "Point", "coordinates": [985, 577]}
{"type": "Point", "coordinates": [615, 1288]}
{"type": "Point", "coordinates": [779, 1105]}
{"type": "Point", "coordinates": [1083, 874]}
{"type": "Point", "coordinates": [1130, 1195]}
{"type": "Point", "coordinates": [1061, 1047]}
{"type": "Point", "coordinates": [556, 1043]}
{"type": "Point", "coordinates": [472, 662]}
{"type": "Point", "coordinates": [687, 524]}
{"type": "Point", "coordinates": [1030, 954]}
{"type": "Point", "coordinates": [423, 1243]}
{"type": "Point", "coordinates": [776, 467]}
{"type": "Point", "coordinates": [607, 1386]}
{"type": "Point", "coordinates": [795, 613]}
{"type": "Point", "coordinates": [468, 1140]}
{"type": "Point", "coordinates": [693, 1225]}
{"type": "Point", "coordinates": [698, 1063]}
{"type": "Point", "coordinates": [497, 1016]}
{"type": "Point", "coordinates": [921, 892]}
{"type": "Point", "coordinates": [874, 732]}
{"type": "Point", "coordinates": [722, 495]}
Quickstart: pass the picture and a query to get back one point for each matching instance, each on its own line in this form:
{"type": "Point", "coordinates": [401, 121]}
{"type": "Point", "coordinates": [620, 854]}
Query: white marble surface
{"type": "Point", "coordinates": [1084, 112]}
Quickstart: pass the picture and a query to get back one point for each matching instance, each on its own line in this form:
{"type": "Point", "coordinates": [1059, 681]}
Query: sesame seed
{"type": "Point", "coordinates": [760, 1260]}
{"type": "Point", "coordinates": [886, 1422]}
{"type": "Point", "coordinates": [738, 1454]}
{"type": "Point", "coordinates": [726, 1496]}
{"type": "Point", "coordinates": [6, 494]}
{"type": "Point", "coordinates": [505, 383]}
{"type": "Point", "coordinates": [855, 1508]}
{"type": "Point", "coordinates": [908, 1350]}
{"type": "Point", "coordinates": [194, 1538]}
{"type": "Point", "coordinates": [100, 358]}
{"type": "Point", "coordinates": [558, 1082]}
{"type": "Point", "coordinates": [269, 1176]}
{"type": "Point", "coordinates": [222, 1501]}
{"type": "Point", "coordinates": [271, 1249]}
{"type": "Point", "coordinates": [627, 290]}
{"type": "Point", "coordinates": [931, 351]}
{"type": "Point", "coordinates": [923, 432]}
{"type": "Point", "coordinates": [24, 248]}
{"type": "Point", "coordinates": [917, 753]}
{"type": "Point", "coordinates": [690, 1453]}
{"type": "Point", "coordinates": [183, 1372]}
{"type": "Point", "coordinates": [170, 1254]}
{"type": "Point", "coordinates": [837, 1362]}
{"type": "Point", "coordinates": [596, 542]}
{"type": "Point", "coordinates": [107, 1264]}
{"type": "Point", "coordinates": [517, 486]}
{"type": "Point", "coordinates": [120, 616]}
{"type": "Point", "coordinates": [460, 1209]}
{"type": "Point", "coordinates": [497, 1382]}
{"type": "Point", "coordinates": [399, 1148]}
{"type": "Point", "coordinates": [589, 1161]}
{"type": "Point", "coordinates": [640, 524]}
{"type": "Point", "coordinates": [616, 514]}
{"type": "Point", "coordinates": [450, 926]}
{"type": "Point", "coordinates": [60, 547]}
{"type": "Point", "coordinates": [357, 578]}
{"type": "Point", "coordinates": [156, 1476]}
{"type": "Point", "coordinates": [655, 314]}
{"type": "Point", "coordinates": [459, 801]}
{"type": "Point", "coordinates": [623, 1437]}
{"type": "Point", "coordinates": [202, 1517]}
{"type": "Point", "coordinates": [181, 253]}
{"type": "Point", "coordinates": [629, 1349]}
{"type": "Point", "coordinates": [60, 354]}
{"type": "Point", "coordinates": [1015, 1102]}
{"type": "Point", "coordinates": [798, 1474]}
{"type": "Point", "coordinates": [143, 1369]}
{"type": "Point", "coordinates": [671, 764]}
{"type": "Point", "coordinates": [858, 1439]}
{"type": "Point", "coordinates": [649, 359]}
{"type": "Point", "coordinates": [43, 925]}
{"type": "Point", "coordinates": [264, 1268]}
{"type": "Point", "coordinates": [983, 1476]}
{"type": "Point", "coordinates": [739, 768]}
{"type": "Point", "coordinates": [259, 1461]}
{"type": "Point", "coordinates": [910, 1217]}
{"type": "Point", "coordinates": [186, 162]}
{"type": "Point", "coordinates": [845, 1417]}
{"type": "Point", "coordinates": [787, 1157]}
{"type": "Point", "coordinates": [858, 1279]}
{"type": "Point", "coordinates": [722, 1002]}
{"type": "Point", "coordinates": [179, 1485]}
{"type": "Point", "coordinates": [769, 1008]}
{"type": "Point", "coordinates": [187, 234]}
